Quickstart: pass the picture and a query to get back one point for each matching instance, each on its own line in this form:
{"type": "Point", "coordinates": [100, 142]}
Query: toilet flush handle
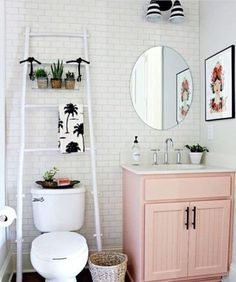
{"type": "Point", "coordinates": [41, 199]}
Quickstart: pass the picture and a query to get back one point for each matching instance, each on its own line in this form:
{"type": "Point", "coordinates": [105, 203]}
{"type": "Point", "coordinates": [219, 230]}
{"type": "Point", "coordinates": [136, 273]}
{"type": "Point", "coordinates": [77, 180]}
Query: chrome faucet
{"type": "Point", "coordinates": [166, 157]}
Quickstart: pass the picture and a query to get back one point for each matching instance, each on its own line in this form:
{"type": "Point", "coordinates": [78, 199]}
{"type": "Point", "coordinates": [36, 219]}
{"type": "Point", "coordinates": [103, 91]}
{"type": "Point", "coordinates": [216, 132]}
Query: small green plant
{"type": "Point", "coordinates": [50, 174]}
{"type": "Point", "coordinates": [196, 148]}
{"type": "Point", "coordinates": [40, 73]}
{"type": "Point", "coordinates": [70, 75]}
{"type": "Point", "coordinates": [57, 69]}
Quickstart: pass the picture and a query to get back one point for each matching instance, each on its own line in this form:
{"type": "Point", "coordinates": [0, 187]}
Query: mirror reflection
{"type": "Point", "coordinates": [161, 87]}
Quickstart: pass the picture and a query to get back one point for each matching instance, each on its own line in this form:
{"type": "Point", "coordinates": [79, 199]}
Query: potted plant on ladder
{"type": "Point", "coordinates": [57, 71]}
{"type": "Point", "coordinates": [42, 78]}
{"type": "Point", "coordinates": [70, 80]}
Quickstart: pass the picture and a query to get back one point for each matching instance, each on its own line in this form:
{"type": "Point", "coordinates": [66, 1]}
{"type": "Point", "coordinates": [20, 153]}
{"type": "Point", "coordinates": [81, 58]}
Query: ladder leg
{"type": "Point", "coordinates": [92, 149]}
{"type": "Point", "coordinates": [19, 236]}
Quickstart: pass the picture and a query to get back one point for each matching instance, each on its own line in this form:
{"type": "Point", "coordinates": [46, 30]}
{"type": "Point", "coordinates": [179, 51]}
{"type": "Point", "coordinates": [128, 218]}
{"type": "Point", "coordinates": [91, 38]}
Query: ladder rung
{"type": "Point", "coordinates": [40, 106]}
{"type": "Point", "coordinates": [41, 149]}
{"type": "Point", "coordinates": [64, 63]}
{"type": "Point", "coordinates": [46, 106]}
{"type": "Point", "coordinates": [49, 149]}
{"type": "Point", "coordinates": [35, 88]}
{"type": "Point", "coordinates": [45, 34]}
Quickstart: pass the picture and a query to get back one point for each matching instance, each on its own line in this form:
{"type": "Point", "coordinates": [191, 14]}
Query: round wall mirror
{"type": "Point", "coordinates": [161, 87]}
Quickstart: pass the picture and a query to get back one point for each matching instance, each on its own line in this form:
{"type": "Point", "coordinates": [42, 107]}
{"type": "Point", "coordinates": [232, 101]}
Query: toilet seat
{"type": "Point", "coordinates": [58, 246]}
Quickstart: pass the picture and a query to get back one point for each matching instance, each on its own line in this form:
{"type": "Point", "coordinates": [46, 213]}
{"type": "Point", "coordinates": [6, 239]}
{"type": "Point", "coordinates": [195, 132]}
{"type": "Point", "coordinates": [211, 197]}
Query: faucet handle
{"type": "Point", "coordinates": [154, 158]}
{"type": "Point", "coordinates": [178, 161]}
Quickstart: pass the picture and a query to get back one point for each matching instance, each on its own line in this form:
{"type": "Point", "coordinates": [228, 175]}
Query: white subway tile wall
{"type": "Point", "coordinates": [119, 33]}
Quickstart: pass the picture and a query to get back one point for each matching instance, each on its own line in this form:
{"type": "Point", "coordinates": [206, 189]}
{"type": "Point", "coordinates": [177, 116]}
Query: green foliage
{"type": "Point", "coordinates": [40, 73]}
{"type": "Point", "coordinates": [49, 175]}
{"type": "Point", "coordinates": [70, 75]}
{"type": "Point", "coordinates": [196, 148]}
{"type": "Point", "coordinates": [57, 69]}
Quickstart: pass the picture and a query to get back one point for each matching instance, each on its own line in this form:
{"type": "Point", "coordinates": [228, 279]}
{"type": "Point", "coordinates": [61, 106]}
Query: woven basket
{"type": "Point", "coordinates": [108, 267]}
{"type": "Point", "coordinates": [56, 83]}
{"type": "Point", "coordinates": [69, 83]}
{"type": "Point", "coordinates": [42, 83]}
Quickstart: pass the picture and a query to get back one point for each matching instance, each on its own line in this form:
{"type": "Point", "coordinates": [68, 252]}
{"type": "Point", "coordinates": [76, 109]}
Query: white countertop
{"type": "Point", "coordinates": [174, 169]}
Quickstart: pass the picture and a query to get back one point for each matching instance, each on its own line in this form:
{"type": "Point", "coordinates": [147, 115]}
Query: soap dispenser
{"type": "Point", "coordinates": [135, 152]}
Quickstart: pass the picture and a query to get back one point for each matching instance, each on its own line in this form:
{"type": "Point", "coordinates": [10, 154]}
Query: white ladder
{"type": "Point", "coordinates": [23, 150]}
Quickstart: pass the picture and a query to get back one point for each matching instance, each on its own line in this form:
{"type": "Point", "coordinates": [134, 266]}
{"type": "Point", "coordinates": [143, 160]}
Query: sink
{"type": "Point", "coordinates": [165, 168]}
{"type": "Point", "coordinates": [169, 167]}
{"type": "Point", "coordinates": [173, 169]}
{"type": "Point", "coordinates": [177, 167]}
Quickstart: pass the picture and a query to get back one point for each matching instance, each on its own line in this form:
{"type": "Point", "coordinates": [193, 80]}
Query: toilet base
{"type": "Point", "coordinates": [61, 280]}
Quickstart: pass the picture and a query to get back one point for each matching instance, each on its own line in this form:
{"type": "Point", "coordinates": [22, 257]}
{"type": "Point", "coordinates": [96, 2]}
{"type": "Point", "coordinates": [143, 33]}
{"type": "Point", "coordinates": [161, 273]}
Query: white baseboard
{"type": "Point", "coordinates": [232, 274]}
{"type": "Point", "coordinates": [7, 270]}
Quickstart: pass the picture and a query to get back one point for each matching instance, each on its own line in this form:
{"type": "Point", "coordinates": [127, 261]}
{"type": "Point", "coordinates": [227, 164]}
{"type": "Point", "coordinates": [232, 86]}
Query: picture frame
{"type": "Point", "coordinates": [184, 94]}
{"type": "Point", "coordinates": [219, 85]}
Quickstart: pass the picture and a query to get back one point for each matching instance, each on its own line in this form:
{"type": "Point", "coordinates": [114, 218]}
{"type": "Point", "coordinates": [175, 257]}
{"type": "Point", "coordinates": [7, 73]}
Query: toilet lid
{"type": "Point", "coordinates": [59, 245]}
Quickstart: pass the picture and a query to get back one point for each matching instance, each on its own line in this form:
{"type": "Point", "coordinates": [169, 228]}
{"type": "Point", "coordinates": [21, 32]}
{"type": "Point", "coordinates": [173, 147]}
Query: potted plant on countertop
{"type": "Point", "coordinates": [49, 177]}
{"type": "Point", "coordinates": [42, 78]}
{"type": "Point", "coordinates": [70, 80]}
{"type": "Point", "coordinates": [57, 71]}
{"type": "Point", "coordinates": [196, 152]}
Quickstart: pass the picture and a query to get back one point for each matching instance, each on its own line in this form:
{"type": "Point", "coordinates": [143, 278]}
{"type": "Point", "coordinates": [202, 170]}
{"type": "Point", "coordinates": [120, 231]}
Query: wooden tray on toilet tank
{"type": "Point", "coordinates": [54, 185]}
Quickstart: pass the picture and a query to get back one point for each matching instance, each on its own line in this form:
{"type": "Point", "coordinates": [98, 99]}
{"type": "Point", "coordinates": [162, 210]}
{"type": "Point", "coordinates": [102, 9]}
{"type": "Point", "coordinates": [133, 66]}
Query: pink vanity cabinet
{"type": "Point", "coordinates": [178, 227]}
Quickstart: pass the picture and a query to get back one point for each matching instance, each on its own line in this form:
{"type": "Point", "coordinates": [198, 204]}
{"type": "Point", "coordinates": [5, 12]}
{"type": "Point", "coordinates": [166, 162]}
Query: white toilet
{"type": "Point", "coordinates": [59, 254]}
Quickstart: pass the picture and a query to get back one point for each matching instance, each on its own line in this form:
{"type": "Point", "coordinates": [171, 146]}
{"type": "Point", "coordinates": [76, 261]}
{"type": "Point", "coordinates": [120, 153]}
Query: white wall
{"type": "Point", "coordinates": [217, 31]}
{"type": "Point", "coordinates": [3, 249]}
{"type": "Point", "coordinates": [119, 33]}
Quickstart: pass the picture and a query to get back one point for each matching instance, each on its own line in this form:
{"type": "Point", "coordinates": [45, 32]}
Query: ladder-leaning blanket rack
{"type": "Point", "coordinates": [19, 228]}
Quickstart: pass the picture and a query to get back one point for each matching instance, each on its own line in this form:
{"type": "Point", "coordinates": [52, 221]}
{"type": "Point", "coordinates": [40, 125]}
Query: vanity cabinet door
{"type": "Point", "coordinates": [209, 237]}
{"type": "Point", "coordinates": [166, 241]}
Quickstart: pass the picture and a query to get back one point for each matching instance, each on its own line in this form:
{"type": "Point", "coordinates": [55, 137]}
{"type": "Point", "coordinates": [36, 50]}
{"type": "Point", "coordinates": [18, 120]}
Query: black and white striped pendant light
{"type": "Point", "coordinates": [177, 13]}
{"type": "Point", "coordinates": [153, 11]}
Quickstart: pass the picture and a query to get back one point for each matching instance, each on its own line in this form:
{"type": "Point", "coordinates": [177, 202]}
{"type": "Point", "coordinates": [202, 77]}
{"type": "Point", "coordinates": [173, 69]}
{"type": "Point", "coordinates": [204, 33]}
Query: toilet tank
{"type": "Point", "coordinates": [58, 209]}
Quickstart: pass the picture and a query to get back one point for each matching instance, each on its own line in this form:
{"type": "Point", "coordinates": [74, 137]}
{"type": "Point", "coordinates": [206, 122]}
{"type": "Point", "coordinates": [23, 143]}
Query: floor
{"type": "Point", "coordinates": [84, 276]}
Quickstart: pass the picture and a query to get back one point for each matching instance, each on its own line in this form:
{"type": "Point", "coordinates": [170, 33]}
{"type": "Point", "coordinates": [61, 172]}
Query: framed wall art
{"type": "Point", "coordinates": [219, 85]}
{"type": "Point", "coordinates": [184, 93]}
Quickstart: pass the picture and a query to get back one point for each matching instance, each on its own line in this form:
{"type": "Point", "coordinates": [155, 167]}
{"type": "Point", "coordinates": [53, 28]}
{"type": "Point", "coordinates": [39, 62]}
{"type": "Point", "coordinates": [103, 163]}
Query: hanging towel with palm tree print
{"type": "Point", "coordinates": [71, 128]}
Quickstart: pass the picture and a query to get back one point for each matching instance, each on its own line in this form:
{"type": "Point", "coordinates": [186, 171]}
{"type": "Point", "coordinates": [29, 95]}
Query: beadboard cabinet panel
{"type": "Point", "coordinates": [166, 241]}
{"type": "Point", "coordinates": [209, 241]}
